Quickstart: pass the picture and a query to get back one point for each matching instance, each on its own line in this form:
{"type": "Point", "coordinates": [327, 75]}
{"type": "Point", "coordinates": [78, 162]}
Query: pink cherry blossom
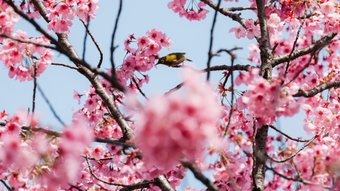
{"type": "Point", "coordinates": [191, 12]}
{"type": "Point", "coordinates": [24, 60]}
{"type": "Point", "coordinates": [180, 128]}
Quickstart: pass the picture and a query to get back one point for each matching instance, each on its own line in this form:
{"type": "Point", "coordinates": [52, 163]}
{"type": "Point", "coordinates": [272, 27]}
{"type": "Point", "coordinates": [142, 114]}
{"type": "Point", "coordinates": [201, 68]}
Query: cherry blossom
{"type": "Point", "coordinates": [180, 128]}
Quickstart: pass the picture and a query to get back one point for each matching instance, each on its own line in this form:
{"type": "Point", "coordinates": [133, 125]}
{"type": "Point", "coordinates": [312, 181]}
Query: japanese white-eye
{"type": "Point", "coordinates": [173, 59]}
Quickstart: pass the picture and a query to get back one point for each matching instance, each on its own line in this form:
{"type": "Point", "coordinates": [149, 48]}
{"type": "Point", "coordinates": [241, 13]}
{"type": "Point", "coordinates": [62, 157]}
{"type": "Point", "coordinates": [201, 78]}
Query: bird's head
{"type": "Point", "coordinates": [161, 60]}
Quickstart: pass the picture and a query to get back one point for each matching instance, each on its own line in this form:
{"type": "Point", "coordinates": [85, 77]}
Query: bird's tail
{"type": "Point", "coordinates": [188, 60]}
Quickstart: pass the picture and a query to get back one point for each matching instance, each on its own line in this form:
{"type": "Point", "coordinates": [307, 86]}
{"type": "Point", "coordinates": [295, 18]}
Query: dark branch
{"type": "Point", "coordinates": [6, 185]}
{"type": "Point", "coordinates": [99, 140]}
{"type": "Point", "coordinates": [139, 89]}
{"type": "Point", "coordinates": [304, 51]}
{"type": "Point", "coordinates": [113, 47]}
{"type": "Point", "coordinates": [95, 43]}
{"type": "Point", "coordinates": [163, 183]}
{"type": "Point", "coordinates": [293, 48]}
{"type": "Point", "coordinates": [294, 154]}
{"type": "Point", "coordinates": [226, 12]}
{"type": "Point", "coordinates": [86, 26]}
{"type": "Point", "coordinates": [289, 137]}
{"type": "Point", "coordinates": [297, 179]}
{"type": "Point", "coordinates": [28, 42]}
{"type": "Point", "coordinates": [318, 89]}
{"type": "Point", "coordinates": [34, 86]}
{"type": "Point", "coordinates": [313, 55]}
{"type": "Point", "coordinates": [50, 106]}
{"type": "Point", "coordinates": [64, 65]}
{"type": "Point", "coordinates": [174, 89]}
{"type": "Point", "coordinates": [229, 68]}
{"type": "Point", "coordinates": [212, 38]}
{"type": "Point", "coordinates": [239, 8]}
{"type": "Point", "coordinates": [199, 176]}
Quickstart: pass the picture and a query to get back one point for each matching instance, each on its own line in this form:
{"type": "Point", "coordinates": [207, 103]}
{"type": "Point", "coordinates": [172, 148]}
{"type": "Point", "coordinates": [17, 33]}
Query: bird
{"type": "Point", "coordinates": [173, 59]}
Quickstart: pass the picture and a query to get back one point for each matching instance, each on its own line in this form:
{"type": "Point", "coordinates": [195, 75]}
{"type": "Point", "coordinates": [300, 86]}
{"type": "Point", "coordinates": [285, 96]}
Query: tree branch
{"type": "Point", "coordinates": [163, 183]}
{"type": "Point", "coordinates": [239, 8]}
{"type": "Point", "coordinates": [200, 176]}
{"type": "Point", "coordinates": [6, 185]}
{"type": "Point", "coordinates": [99, 140]}
{"type": "Point", "coordinates": [294, 154]}
{"type": "Point", "coordinates": [298, 179]}
{"type": "Point", "coordinates": [226, 12]}
{"type": "Point", "coordinates": [212, 38]}
{"type": "Point", "coordinates": [139, 89]}
{"type": "Point", "coordinates": [34, 86]}
{"type": "Point", "coordinates": [318, 89]}
{"type": "Point", "coordinates": [229, 68]}
{"type": "Point", "coordinates": [95, 43]}
{"type": "Point", "coordinates": [286, 135]}
{"type": "Point", "coordinates": [261, 133]}
{"type": "Point", "coordinates": [50, 105]}
{"type": "Point", "coordinates": [28, 42]}
{"type": "Point", "coordinates": [64, 65]}
{"type": "Point", "coordinates": [319, 44]}
{"type": "Point", "coordinates": [113, 47]}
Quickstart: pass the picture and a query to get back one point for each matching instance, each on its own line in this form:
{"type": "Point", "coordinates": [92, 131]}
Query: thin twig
{"type": "Point", "coordinates": [86, 26]}
{"type": "Point", "coordinates": [97, 139]}
{"type": "Point", "coordinates": [239, 8]}
{"type": "Point", "coordinates": [216, 68]}
{"type": "Point", "coordinates": [75, 187]}
{"type": "Point", "coordinates": [200, 176]}
{"type": "Point", "coordinates": [34, 86]}
{"type": "Point", "coordinates": [318, 89]}
{"type": "Point", "coordinates": [293, 49]}
{"type": "Point", "coordinates": [301, 70]}
{"type": "Point", "coordinates": [289, 137]}
{"type": "Point", "coordinates": [294, 154]}
{"type": "Point", "coordinates": [28, 42]}
{"type": "Point", "coordinates": [6, 185]}
{"type": "Point", "coordinates": [64, 65]}
{"type": "Point", "coordinates": [229, 68]}
{"type": "Point", "coordinates": [95, 43]}
{"type": "Point", "coordinates": [174, 89]}
{"type": "Point", "coordinates": [113, 47]}
{"type": "Point", "coordinates": [324, 41]}
{"type": "Point", "coordinates": [232, 57]}
{"type": "Point", "coordinates": [139, 89]}
{"type": "Point", "coordinates": [298, 179]}
{"type": "Point", "coordinates": [225, 12]}
{"type": "Point", "coordinates": [50, 106]}
{"type": "Point", "coordinates": [143, 184]}
{"type": "Point", "coordinates": [212, 38]}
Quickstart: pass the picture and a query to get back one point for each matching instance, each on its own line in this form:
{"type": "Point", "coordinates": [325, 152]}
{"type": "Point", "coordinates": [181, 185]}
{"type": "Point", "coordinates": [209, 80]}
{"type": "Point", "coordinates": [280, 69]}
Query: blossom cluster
{"type": "Point", "coordinates": [31, 159]}
{"type": "Point", "coordinates": [177, 127]}
{"type": "Point", "coordinates": [8, 19]}
{"type": "Point", "coordinates": [141, 57]}
{"type": "Point", "coordinates": [267, 100]}
{"type": "Point", "coordinates": [189, 10]}
{"type": "Point", "coordinates": [232, 172]}
{"type": "Point", "coordinates": [25, 60]}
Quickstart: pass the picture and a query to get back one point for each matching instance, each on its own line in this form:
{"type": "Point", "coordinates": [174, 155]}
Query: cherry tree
{"type": "Point", "coordinates": [122, 139]}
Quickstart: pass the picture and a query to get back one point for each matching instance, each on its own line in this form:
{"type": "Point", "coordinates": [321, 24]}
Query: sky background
{"type": "Point", "coordinates": [137, 18]}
